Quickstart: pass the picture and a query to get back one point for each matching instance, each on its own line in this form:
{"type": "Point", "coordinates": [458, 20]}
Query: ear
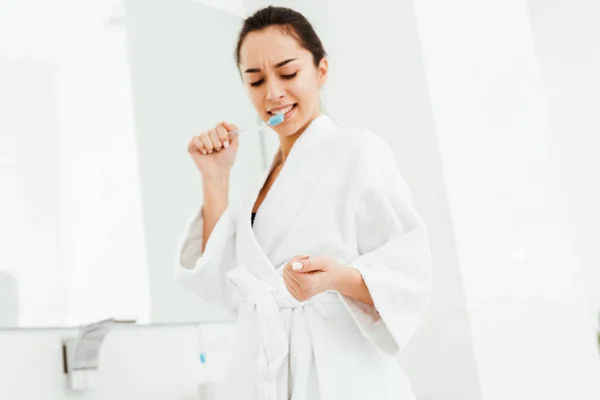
{"type": "Point", "coordinates": [323, 70]}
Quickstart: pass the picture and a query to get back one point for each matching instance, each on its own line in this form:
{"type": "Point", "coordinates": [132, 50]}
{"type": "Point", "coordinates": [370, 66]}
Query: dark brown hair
{"type": "Point", "coordinates": [291, 21]}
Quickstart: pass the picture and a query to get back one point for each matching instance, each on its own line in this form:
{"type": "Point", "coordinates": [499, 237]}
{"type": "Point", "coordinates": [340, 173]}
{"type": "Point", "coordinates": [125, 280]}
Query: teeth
{"type": "Point", "coordinates": [283, 110]}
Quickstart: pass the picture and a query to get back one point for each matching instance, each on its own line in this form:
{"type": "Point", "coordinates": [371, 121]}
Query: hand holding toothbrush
{"type": "Point", "coordinates": [214, 150]}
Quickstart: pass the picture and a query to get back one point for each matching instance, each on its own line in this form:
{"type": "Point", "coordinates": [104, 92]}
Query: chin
{"type": "Point", "coordinates": [286, 131]}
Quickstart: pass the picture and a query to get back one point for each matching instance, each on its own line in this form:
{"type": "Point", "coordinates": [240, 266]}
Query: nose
{"type": "Point", "coordinates": [275, 90]}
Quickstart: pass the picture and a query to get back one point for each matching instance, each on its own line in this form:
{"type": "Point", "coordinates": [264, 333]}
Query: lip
{"type": "Point", "coordinates": [272, 110]}
{"type": "Point", "coordinates": [288, 114]}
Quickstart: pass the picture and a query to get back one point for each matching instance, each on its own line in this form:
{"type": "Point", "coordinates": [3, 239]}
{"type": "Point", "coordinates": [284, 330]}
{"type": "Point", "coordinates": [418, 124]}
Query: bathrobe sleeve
{"type": "Point", "coordinates": [394, 256]}
{"type": "Point", "coordinates": [204, 274]}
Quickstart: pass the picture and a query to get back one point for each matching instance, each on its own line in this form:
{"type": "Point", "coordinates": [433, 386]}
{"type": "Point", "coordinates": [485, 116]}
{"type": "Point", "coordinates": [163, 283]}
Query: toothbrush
{"type": "Point", "coordinates": [205, 368]}
{"type": "Point", "coordinates": [273, 121]}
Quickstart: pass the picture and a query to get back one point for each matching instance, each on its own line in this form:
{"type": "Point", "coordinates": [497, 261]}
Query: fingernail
{"type": "Point", "coordinates": [296, 265]}
{"type": "Point", "coordinates": [204, 151]}
{"type": "Point", "coordinates": [226, 144]}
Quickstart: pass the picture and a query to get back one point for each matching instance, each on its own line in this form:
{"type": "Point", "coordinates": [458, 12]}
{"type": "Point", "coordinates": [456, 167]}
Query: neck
{"type": "Point", "coordinates": [287, 142]}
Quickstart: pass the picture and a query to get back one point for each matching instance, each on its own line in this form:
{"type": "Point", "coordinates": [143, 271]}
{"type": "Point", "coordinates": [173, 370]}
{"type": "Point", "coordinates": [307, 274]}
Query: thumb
{"type": "Point", "coordinates": [295, 262]}
{"type": "Point", "coordinates": [232, 138]}
{"type": "Point", "coordinates": [304, 265]}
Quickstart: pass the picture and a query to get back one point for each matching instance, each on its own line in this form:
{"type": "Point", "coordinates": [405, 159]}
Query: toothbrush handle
{"type": "Point", "coordinates": [240, 132]}
{"type": "Point", "coordinates": [244, 132]}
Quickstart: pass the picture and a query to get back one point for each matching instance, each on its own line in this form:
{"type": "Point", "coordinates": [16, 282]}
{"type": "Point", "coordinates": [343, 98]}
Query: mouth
{"type": "Point", "coordinates": [282, 110]}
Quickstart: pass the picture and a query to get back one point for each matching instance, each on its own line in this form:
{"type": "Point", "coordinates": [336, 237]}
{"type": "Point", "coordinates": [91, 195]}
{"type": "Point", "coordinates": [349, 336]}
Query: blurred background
{"type": "Point", "coordinates": [490, 107]}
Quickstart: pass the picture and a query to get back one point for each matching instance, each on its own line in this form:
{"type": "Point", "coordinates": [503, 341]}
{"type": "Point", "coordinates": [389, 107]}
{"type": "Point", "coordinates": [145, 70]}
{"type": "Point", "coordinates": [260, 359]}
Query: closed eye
{"type": "Point", "coordinates": [261, 81]}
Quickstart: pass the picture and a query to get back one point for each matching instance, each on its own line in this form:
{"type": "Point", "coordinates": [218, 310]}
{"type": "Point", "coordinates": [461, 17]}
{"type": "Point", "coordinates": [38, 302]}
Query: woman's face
{"type": "Point", "coordinates": [280, 75]}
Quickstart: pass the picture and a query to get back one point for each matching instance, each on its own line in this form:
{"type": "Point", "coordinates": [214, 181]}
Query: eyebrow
{"type": "Point", "coordinates": [278, 65]}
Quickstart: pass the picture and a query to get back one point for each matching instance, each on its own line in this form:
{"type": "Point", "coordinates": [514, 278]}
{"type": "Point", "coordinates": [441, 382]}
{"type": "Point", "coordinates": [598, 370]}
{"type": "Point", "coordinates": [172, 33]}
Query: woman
{"type": "Point", "coordinates": [323, 260]}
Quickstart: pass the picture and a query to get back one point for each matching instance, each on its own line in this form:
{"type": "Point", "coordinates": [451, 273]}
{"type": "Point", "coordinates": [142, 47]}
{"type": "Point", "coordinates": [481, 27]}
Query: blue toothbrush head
{"type": "Point", "coordinates": [276, 119]}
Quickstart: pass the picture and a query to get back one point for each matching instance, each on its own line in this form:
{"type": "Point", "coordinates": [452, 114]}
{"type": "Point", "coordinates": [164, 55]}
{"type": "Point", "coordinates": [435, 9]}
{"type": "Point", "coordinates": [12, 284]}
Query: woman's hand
{"type": "Point", "coordinates": [214, 150]}
{"type": "Point", "coordinates": [306, 276]}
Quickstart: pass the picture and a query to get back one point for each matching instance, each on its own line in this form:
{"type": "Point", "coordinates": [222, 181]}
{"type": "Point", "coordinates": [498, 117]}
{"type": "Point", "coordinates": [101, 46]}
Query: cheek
{"type": "Point", "coordinates": [256, 97]}
{"type": "Point", "coordinates": [305, 89]}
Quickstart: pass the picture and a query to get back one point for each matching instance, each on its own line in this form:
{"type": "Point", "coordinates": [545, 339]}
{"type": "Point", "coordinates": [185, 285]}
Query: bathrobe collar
{"type": "Point", "coordinates": [290, 190]}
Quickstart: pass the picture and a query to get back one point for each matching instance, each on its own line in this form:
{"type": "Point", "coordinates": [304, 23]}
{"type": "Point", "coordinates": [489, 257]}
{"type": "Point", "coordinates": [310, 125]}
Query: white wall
{"type": "Point", "coordinates": [235, 7]}
{"type": "Point", "coordinates": [41, 30]}
{"type": "Point", "coordinates": [377, 82]}
{"type": "Point", "coordinates": [566, 36]}
{"type": "Point", "coordinates": [534, 338]}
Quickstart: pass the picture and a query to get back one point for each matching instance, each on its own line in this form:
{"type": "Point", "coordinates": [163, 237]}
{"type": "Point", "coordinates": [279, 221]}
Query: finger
{"type": "Point", "coordinates": [292, 287]}
{"type": "Point", "coordinates": [288, 272]}
{"type": "Point", "coordinates": [292, 291]}
{"type": "Point", "coordinates": [311, 265]}
{"type": "Point", "coordinates": [297, 258]}
{"type": "Point", "coordinates": [302, 265]}
{"type": "Point", "coordinates": [207, 142]}
{"type": "Point", "coordinates": [230, 127]}
{"type": "Point", "coordinates": [191, 147]}
{"type": "Point", "coordinates": [214, 137]}
{"type": "Point", "coordinates": [197, 145]}
{"type": "Point", "coordinates": [223, 135]}
{"type": "Point", "coordinates": [294, 295]}
{"type": "Point", "coordinates": [232, 133]}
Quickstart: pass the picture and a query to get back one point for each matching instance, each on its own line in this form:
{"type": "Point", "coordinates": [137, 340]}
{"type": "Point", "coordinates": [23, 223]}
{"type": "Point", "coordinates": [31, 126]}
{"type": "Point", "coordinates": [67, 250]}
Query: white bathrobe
{"type": "Point", "coordinates": [338, 194]}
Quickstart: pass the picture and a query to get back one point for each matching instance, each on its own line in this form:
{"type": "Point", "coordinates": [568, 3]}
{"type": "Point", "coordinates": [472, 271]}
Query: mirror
{"type": "Point", "coordinates": [97, 105]}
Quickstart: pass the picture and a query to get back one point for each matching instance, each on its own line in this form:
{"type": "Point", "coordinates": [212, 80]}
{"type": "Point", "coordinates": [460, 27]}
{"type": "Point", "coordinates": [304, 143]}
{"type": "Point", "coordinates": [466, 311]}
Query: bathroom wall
{"type": "Point", "coordinates": [565, 36]}
{"type": "Point", "coordinates": [532, 328]}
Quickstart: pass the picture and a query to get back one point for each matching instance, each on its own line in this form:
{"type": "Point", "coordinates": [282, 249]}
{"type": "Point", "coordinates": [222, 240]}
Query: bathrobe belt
{"type": "Point", "coordinates": [265, 301]}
